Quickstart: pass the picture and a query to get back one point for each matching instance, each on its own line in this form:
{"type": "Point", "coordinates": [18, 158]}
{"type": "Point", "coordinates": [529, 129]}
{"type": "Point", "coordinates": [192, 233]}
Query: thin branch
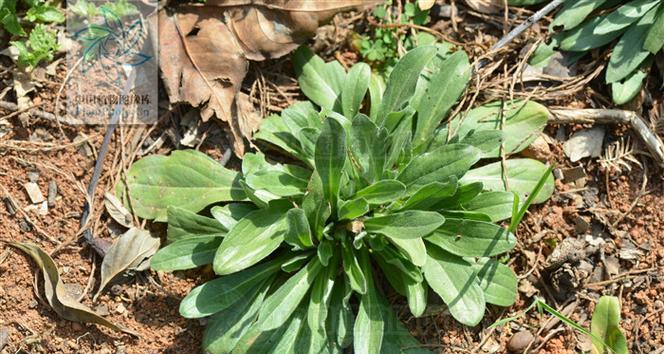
{"type": "Point", "coordinates": [527, 23]}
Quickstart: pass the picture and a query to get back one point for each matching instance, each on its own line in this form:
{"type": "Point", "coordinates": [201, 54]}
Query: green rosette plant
{"type": "Point", "coordinates": [634, 29]}
{"type": "Point", "coordinates": [377, 189]}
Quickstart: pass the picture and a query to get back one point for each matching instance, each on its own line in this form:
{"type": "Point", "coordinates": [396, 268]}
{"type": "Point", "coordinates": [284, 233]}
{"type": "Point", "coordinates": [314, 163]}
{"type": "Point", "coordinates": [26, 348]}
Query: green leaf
{"type": "Point", "coordinates": [471, 238]}
{"type": "Point", "coordinates": [276, 341]}
{"type": "Point", "coordinates": [186, 254]}
{"type": "Point", "coordinates": [340, 315]}
{"type": "Point", "coordinates": [376, 89]}
{"type": "Point", "coordinates": [498, 282]}
{"type": "Point", "coordinates": [430, 194]}
{"type": "Point", "coordinates": [454, 280]}
{"type": "Point", "coordinates": [224, 329]}
{"type": "Point", "coordinates": [446, 85]}
{"type": "Point", "coordinates": [574, 12]}
{"type": "Point", "coordinates": [325, 251]}
{"type": "Point", "coordinates": [184, 224]}
{"type": "Point", "coordinates": [624, 16]}
{"type": "Point", "coordinates": [41, 45]}
{"type": "Point", "coordinates": [283, 183]}
{"type": "Point", "coordinates": [367, 148]}
{"type": "Point", "coordinates": [399, 152]}
{"type": "Point", "coordinates": [354, 88]}
{"type": "Point", "coordinates": [281, 304]}
{"type": "Point", "coordinates": [229, 214]}
{"type": "Point", "coordinates": [406, 224]}
{"type": "Point", "coordinates": [655, 38]}
{"type": "Point", "coordinates": [439, 165]}
{"type": "Point", "coordinates": [465, 214]}
{"type": "Point", "coordinates": [330, 157]}
{"type": "Point", "coordinates": [221, 293]}
{"type": "Point", "coordinates": [400, 275]}
{"type": "Point", "coordinates": [8, 18]}
{"type": "Point", "coordinates": [523, 122]}
{"type": "Point", "coordinates": [298, 233]}
{"type": "Point", "coordinates": [628, 53]}
{"type": "Point", "coordinates": [414, 249]}
{"type": "Point", "coordinates": [522, 174]}
{"type": "Point", "coordinates": [369, 325]}
{"type": "Point", "coordinates": [321, 82]}
{"type": "Point", "coordinates": [187, 179]}
{"type": "Point", "coordinates": [403, 80]}
{"type": "Point", "coordinates": [296, 261]}
{"type": "Point", "coordinates": [582, 38]}
{"type": "Point", "coordinates": [605, 326]}
{"type": "Point", "coordinates": [319, 304]}
{"type": "Point", "coordinates": [497, 205]}
{"type": "Point", "coordinates": [253, 238]}
{"type": "Point", "coordinates": [381, 192]}
{"type": "Point", "coordinates": [45, 13]}
{"type": "Point", "coordinates": [487, 141]}
{"type": "Point", "coordinates": [623, 92]}
{"type": "Point", "coordinates": [396, 338]}
{"type": "Point", "coordinates": [352, 209]}
{"type": "Point", "coordinates": [315, 206]}
{"type": "Point", "coordinates": [275, 131]}
{"type": "Point", "coordinates": [465, 192]}
{"type": "Point", "coordinates": [354, 272]}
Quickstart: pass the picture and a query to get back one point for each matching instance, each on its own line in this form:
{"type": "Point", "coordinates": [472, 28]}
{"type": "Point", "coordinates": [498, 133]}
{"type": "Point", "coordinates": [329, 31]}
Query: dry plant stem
{"type": "Point", "coordinates": [526, 24]}
{"type": "Point", "coordinates": [612, 116]}
{"type": "Point", "coordinates": [14, 107]}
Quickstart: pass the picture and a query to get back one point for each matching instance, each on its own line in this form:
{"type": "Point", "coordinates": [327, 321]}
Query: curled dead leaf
{"type": "Point", "coordinates": [58, 297]}
{"type": "Point", "coordinates": [117, 211]}
{"type": "Point", "coordinates": [127, 253]}
{"type": "Point", "coordinates": [205, 49]}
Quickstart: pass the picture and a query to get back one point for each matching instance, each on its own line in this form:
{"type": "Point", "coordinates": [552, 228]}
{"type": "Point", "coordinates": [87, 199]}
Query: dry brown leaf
{"type": "Point", "coordinates": [127, 252]}
{"type": "Point", "coordinates": [58, 297]}
{"type": "Point", "coordinates": [117, 211]}
{"type": "Point", "coordinates": [205, 49]}
{"type": "Point", "coordinates": [425, 4]}
{"type": "Point", "coordinates": [487, 6]}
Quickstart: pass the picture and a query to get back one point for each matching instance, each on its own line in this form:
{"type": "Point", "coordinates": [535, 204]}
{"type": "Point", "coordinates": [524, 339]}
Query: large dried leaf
{"type": "Point", "coordinates": [127, 252]}
{"type": "Point", "coordinates": [205, 49]}
{"type": "Point", "coordinates": [56, 294]}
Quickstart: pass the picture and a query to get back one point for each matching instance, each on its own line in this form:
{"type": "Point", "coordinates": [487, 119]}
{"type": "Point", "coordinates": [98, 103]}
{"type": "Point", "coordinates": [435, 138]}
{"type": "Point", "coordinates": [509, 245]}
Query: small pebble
{"type": "Point", "coordinates": [24, 225]}
{"type": "Point", "coordinates": [33, 176]}
{"type": "Point", "coordinates": [52, 193]}
{"type": "Point", "coordinates": [102, 310]}
{"type": "Point", "coordinates": [4, 337]}
{"type": "Point", "coordinates": [9, 205]}
{"type": "Point", "coordinates": [120, 309]}
{"type": "Point", "coordinates": [34, 193]}
{"type": "Point", "coordinates": [519, 341]}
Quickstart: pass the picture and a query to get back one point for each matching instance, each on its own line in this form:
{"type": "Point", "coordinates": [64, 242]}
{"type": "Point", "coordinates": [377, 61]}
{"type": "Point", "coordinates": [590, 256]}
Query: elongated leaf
{"type": "Point", "coordinates": [487, 141]}
{"type": "Point", "coordinates": [396, 338]}
{"type": "Point", "coordinates": [369, 325]}
{"type": "Point", "coordinates": [605, 326]}
{"type": "Point", "coordinates": [321, 82]}
{"type": "Point", "coordinates": [354, 272]}
{"type": "Point", "coordinates": [403, 80]}
{"type": "Point", "coordinates": [498, 282]}
{"type": "Point", "coordinates": [445, 87]}
{"type": "Point", "coordinates": [465, 214]}
{"type": "Point", "coordinates": [276, 341]}
{"type": "Point", "coordinates": [430, 194]}
{"type": "Point", "coordinates": [523, 122]}
{"type": "Point", "coordinates": [253, 238]}
{"type": "Point", "coordinates": [582, 38]}
{"type": "Point", "coordinates": [297, 261]}
{"type": "Point", "coordinates": [522, 174]}
{"type": "Point", "coordinates": [354, 88]}
{"type": "Point", "coordinates": [655, 38]}
{"type": "Point", "coordinates": [628, 53]}
{"type": "Point", "coordinates": [56, 294]}
{"type": "Point", "coordinates": [330, 157]}
{"type": "Point", "coordinates": [279, 179]}
{"type": "Point", "coordinates": [367, 148]}
{"type": "Point", "coordinates": [186, 253]}
{"type": "Point", "coordinates": [497, 205]}
{"type": "Point", "coordinates": [623, 92]}
{"type": "Point", "coordinates": [275, 131]}
{"type": "Point", "coordinates": [451, 160]}
{"type": "Point", "coordinates": [406, 224]}
{"type": "Point", "coordinates": [454, 280]}
{"type": "Point", "coordinates": [574, 12]}
{"type": "Point", "coordinates": [281, 304]}
{"type": "Point", "coordinates": [315, 206]}
{"type": "Point", "coordinates": [229, 214]}
{"type": "Point", "coordinates": [127, 252]}
{"type": "Point", "coordinates": [464, 193]}
{"type": "Point", "coordinates": [340, 316]}
{"type": "Point", "coordinates": [376, 89]}
{"type": "Point", "coordinates": [221, 293]}
{"type": "Point", "coordinates": [624, 16]}
{"type": "Point", "coordinates": [394, 261]}
{"type": "Point", "coordinates": [225, 329]}
{"type": "Point", "coordinates": [319, 304]}
{"type": "Point", "coordinates": [414, 249]}
{"type": "Point", "coordinates": [184, 224]}
{"type": "Point", "coordinates": [187, 179]}
{"type": "Point", "coordinates": [353, 209]}
{"type": "Point", "coordinates": [400, 139]}
{"type": "Point", "coordinates": [381, 192]}
{"type": "Point", "coordinates": [299, 232]}
{"type": "Point", "coordinates": [470, 238]}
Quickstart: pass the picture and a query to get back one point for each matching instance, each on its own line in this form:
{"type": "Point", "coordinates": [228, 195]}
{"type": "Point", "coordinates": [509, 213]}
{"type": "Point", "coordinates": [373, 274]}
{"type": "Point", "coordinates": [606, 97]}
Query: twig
{"type": "Point", "coordinates": [612, 116]}
{"type": "Point", "coordinates": [14, 107]}
{"type": "Point", "coordinates": [527, 23]}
